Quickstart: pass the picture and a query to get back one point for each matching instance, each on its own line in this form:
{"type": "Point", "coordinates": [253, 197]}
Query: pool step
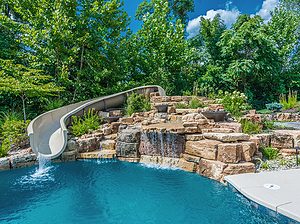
{"type": "Point", "coordinates": [105, 154]}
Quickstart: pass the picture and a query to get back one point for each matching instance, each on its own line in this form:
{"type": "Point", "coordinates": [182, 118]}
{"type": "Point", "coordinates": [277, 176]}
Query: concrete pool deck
{"type": "Point", "coordinates": [283, 203]}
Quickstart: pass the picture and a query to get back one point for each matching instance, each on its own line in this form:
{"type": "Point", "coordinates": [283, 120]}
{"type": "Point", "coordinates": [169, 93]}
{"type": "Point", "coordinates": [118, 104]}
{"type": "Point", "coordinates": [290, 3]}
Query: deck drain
{"type": "Point", "coordinates": [272, 186]}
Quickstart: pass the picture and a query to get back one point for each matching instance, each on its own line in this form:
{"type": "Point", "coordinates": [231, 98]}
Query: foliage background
{"type": "Point", "coordinates": [87, 49]}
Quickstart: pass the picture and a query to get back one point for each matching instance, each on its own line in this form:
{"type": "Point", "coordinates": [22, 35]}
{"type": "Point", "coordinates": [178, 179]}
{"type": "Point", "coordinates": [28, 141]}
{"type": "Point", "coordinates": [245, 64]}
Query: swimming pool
{"type": "Point", "coordinates": [118, 192]}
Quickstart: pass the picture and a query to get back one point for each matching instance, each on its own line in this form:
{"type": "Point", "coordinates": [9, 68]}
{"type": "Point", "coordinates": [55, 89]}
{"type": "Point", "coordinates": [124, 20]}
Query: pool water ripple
{"type": "Point", "coordinates": [118, 192]}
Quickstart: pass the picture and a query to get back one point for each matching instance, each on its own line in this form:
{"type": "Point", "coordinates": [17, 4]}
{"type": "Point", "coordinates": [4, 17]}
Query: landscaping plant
{"type": "Point", "coordinates": [270, 153]}
{"type": "Point", "coordinates": [81, 126]}
{"type": "Point", "coordinates": [265, 165]}
{"type": "Point", "coordinates": [234, 102]}
{"type": "Point", "coordinates": [268, 124]}
{"type": "Point", "coordinates": [4, 147]}
{"type": "Point", "coordinates": [194, 103]}
{"type": "Point", "coordinates": [181, 106]}
{"type": "Point", "coordinates": [12, 131]}
{"type": "Point", "coordinates": [249, 127]}
{"type": "Point", "coordinates": [274, 106]}
{"type": "Point", "coordinates": [52, 104]}
{"type": "Point", "coordinates": [137, 103]}
{"type": "Point", "coordinates": [290, 102]}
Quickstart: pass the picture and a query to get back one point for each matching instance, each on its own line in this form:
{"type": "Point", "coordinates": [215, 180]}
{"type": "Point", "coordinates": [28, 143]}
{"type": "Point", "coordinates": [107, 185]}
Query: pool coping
{"type": "Point", "coordinates": [282, 204]}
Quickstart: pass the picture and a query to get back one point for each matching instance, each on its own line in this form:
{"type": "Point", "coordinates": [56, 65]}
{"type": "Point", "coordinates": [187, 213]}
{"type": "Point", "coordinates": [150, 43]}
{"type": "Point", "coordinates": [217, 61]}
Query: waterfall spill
{"type": "Point", "coordinates": [162, 144]}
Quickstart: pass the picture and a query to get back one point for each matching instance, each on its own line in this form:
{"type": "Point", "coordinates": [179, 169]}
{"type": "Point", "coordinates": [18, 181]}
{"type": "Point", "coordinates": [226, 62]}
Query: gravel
{"type": "Point", "coordinates": [280, 163]}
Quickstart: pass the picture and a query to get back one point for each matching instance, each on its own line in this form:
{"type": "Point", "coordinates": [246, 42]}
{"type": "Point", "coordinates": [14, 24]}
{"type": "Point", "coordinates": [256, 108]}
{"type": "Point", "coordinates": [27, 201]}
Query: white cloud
{"type": "Point", "coordinates": [228, 15]}
{"type": "Point", "coordinates": [267, 6]}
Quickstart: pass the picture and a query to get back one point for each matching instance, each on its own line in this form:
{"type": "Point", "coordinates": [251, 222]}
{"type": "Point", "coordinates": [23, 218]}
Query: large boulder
{"type": "Point", "coordinates": [227, 137]}
{"type": "Point", "coordinates": [128, 142]}
{"type": "Point", "coordinates": [71, 146]}
{"type": "Point", "coordinates": [190, 158]}
{"type": "Point", "coordinates": [192, 117]}
{"type": "Point", "coordinates": [264, 139]}
{"type": "Point", "coordinates": [249, 149]}
{"type": "Point", "coordinates": [242, 167]}
{"type": "Point", "coordinates": [130, 135]}
{"type": "Point", "coordinates": [107, 145]}
{"type": "Point", "coordinates": [194, 137]}
{"type": "Point", "coordinates": [236, 127]}
{"type": "Point", "coordinates": [256, 141]}
{"type": "Point", "coordinates": [67, 156]}
{"type": "Point", "coordinates": [88, 144]}
{"type": "Point", "coordinates": [22, 159]}
{"type": "Point", "coordinates": [125, 149]}
{"type": "Point", "coordinates": [205, 148]}
{"type": "Point", "coordinates": [230, 152]}
{"type": "Point", "coordinates": [4, 163]}
{"type": "Point", "coordinates": [216, 107]}
{"type": "Point", "coordinates": [212, 169]}
{"type": "Point", "coordinates": [115, 127]}
{"type": "Point", "coordinates": [294, 133]}
{"type": "Point", "coordinates": [283, 116]}
{"type": "Point", "coordinates": [186, 165]}
{"type": "Point", "coordinates": [279, 140]}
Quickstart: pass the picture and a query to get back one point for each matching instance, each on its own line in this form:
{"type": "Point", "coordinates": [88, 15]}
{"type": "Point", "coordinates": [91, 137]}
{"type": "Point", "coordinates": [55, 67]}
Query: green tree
{"type": "Point", "coordinates": [251, 58]}
{"type": "Point", "coordinates": [283, 29]}
{"type": "Point", "coordinates": [209, 35]}
{"type": "Point", "coordinates": [179, 8]}
{"type": "Point", "coordinates": [293, 5]}
{"type": "Point", "coordinates": [210, 72]}
{"type": "Point", "coordinates": [163, 50]}
{"type": "Point", "coordinates": [24, 82]}
{"type": "Point", "coordinates": [76, 42]}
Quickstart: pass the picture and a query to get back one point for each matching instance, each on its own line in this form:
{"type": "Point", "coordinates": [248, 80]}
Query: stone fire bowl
{"type": "Point", "coordinates": [161, 108]}
{"type": "Point", "coordinates": [111, 119]}
{"type": "Point", "coordinates": [216, 115]}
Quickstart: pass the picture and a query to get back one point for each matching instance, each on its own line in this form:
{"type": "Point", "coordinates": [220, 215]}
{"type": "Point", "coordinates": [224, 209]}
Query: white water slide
{"type": "Point", "coordinates": [48, 131]}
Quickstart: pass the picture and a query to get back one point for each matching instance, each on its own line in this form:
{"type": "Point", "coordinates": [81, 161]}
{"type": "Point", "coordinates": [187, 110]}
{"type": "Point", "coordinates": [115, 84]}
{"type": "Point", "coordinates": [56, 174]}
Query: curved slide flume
{"type": "Point", "coordinates": [48, 131]}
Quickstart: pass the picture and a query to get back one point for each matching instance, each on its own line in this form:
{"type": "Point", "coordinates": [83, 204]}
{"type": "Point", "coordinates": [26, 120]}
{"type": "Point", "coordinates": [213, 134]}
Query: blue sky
{"type": "Point", "coordinates": [228, 9]}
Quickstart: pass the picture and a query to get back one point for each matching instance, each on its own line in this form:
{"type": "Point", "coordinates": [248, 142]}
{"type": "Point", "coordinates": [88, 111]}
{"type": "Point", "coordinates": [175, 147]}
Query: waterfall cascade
{"type": "Point", "coordinates": [162, 144]}
{"type": "Point", "coordinates": [163, 148]}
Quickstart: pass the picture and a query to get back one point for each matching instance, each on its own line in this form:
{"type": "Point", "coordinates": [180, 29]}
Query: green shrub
{"type": "Point", "coordinates": [270, 153]}
{"type": "Point", "coordinates": [52, 104]}
{"type": "Point", "coordinates": [265, 165]}
{"type": "Point", "coordinates": [4, 147]}
{"type": "Point", "coordinates": [186, 93]}
{"type": "Point", "coordinates": [136, 103]}
{"type": "Point", "coordinates": [194, 103]}
{"type": "Point", "coordinates": [12, 131]}
{"type": "Point", "coordinates": [268, 124]}
{"type": "Point", "coordinates": [147, 104]}
{"type": "Point", "coordinates": [274, 106]}
{"type": "Point", "coordinates": [81, 126]}
{"type": "Point", "coordinates": [249, 127]}
{"type": "Point", "coordinates": [283, 161]}
{"type": "Point", "coordinates": [11, 115]}
{"type": "Point", "coordinates": [291, 102]}
{"type": "Point", "coordinates": [234, 102]}
{"type": "Point", "coordinates": [181, 106]}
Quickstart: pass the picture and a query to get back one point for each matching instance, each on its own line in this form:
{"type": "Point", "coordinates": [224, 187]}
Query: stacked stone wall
{"type": "Point", "coordinates": [181, 138]}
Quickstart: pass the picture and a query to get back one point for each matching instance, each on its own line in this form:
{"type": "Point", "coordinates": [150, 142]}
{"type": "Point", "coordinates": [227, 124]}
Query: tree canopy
{"type": "Point", "coordinates": [87, 49]}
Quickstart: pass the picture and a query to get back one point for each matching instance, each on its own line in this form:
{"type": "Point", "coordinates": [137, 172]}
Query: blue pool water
{"type": "Point", "coordinates": [118, 192]}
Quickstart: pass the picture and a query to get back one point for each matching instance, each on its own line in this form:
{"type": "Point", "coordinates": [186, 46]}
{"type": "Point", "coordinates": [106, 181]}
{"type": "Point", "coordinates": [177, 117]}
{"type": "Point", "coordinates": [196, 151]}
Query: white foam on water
{"type": "Point", "coordinates": [158, 167]}
{"type": "Point", "coordinates": [40, 175]}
